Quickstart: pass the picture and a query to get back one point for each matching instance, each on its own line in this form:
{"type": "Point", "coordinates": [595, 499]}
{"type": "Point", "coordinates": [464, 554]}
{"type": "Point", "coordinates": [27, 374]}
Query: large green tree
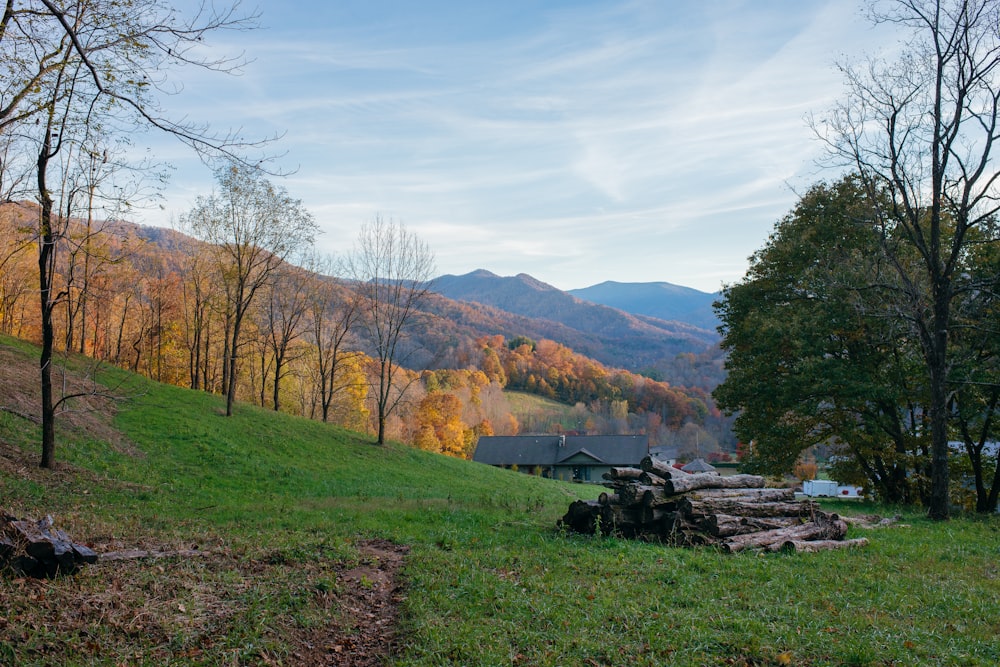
{"type": "Point", "coordinates": [920, 132]}
{"type": "Point", "coordinates": [975, 399]}
{"type": "Point", "coordinates": [813, 353]}
{"type": "Point", "coordinates": [821, 350]}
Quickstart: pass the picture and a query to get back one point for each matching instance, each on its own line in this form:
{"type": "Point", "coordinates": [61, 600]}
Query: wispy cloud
{"type": "Point", "coordinates": [633, 140]}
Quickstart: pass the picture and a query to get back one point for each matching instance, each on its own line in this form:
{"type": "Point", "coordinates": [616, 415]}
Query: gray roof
{"type": "Point", "coordinates": [664, 451]}
{"type": "Point", "coordinates": [547, 450]}
{"type": "Point", "coordinates": [698, 465]}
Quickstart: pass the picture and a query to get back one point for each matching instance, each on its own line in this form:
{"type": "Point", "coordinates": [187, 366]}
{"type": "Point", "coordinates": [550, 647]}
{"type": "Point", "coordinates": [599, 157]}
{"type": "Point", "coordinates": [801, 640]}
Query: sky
{"type": "Point", "coordinates": [575, 141]}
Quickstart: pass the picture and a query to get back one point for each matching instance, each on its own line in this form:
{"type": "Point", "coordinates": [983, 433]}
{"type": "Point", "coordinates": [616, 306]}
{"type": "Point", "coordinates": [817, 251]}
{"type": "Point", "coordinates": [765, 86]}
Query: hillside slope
{"type": "Point", "coordinates": [282, 538]}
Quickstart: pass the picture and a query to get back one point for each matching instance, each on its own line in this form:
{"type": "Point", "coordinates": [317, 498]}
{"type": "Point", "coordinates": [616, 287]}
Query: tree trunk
{"type": "Point", "coordinates": [811, 546]}
{"type": "Point", "coordinates": [46, 264]}
{"type": "Point", "coordinates": [279, 362]}
{"type": "Point", "coordinates": [744, 495]}
{"type": "Point", "coordinates": [651, 479]}
{"type": "Point", "coordinates": [731, 506]}
{"type": "Point", "coordinates": [622, 473]}
{"type": "Point", "coordinates": [382, 401]}
{"type": "Point", "coordinates": [726, 525]}
{"type": "Point", "coordinates": [938, 363]}
{"type": "Point", "coordinates": [708, 481]}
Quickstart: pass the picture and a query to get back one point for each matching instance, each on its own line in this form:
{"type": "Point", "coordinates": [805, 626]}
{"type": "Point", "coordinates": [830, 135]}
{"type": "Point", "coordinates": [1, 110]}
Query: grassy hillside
{"type": "Point", "coordinates": [281, 508]}
{"type": "Point", "coordinates": [536, 413]}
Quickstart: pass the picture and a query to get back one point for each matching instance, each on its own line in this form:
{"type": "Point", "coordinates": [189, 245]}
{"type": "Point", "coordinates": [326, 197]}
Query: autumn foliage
{"type": "Point", "coordinates": [151, 301]}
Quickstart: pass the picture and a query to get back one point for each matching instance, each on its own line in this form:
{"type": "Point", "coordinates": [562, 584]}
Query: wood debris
{"type": "Point", "coordinates": [38, 549]}
{"type": "Point", "coordinates": [660, 503]}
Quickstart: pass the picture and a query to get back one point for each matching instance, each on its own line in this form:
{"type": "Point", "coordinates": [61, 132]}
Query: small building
{"type": "Point", "coordinates": [578, 458]}
{"type": "Point", "coordinates": [666, 453]}
{"type": "Point", "coordinates": [699, 465]}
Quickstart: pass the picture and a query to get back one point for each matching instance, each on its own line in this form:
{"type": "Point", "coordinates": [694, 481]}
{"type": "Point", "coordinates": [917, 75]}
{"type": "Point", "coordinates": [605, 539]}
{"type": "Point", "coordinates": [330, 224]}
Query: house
{"type": "Point", "coordinates": [578, 458]}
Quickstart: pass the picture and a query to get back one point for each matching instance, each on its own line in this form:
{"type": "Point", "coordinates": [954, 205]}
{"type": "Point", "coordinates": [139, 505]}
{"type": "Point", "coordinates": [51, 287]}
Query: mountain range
{"type": "Point", "coordinates": [625, 332]}
{"type": "Point", "coordinates": [661, 300]}
{"type": "Point", "coordinates": [633, 326]}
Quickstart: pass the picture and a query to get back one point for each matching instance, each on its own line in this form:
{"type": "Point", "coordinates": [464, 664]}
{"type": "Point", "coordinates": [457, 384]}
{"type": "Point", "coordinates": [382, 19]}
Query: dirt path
{"type": "Point", "coordinates": [370, 598]}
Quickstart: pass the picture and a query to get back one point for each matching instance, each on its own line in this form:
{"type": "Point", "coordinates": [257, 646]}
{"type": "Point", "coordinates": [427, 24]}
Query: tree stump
{"type": "Point", "coordinates": [37, 549]}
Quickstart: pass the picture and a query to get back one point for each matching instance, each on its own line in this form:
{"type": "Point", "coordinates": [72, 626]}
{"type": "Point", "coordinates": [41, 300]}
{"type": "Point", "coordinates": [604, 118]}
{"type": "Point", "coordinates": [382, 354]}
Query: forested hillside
{"type": "Point", "coordinates": [153, 301]}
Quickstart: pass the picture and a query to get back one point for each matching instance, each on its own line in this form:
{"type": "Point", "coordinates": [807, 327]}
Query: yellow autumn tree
{"type": "Point", "coordinates": [439, 426]}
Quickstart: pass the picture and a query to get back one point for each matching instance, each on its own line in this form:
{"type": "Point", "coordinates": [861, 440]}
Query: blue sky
{"type": "Point", "coordinates": [578, 142]}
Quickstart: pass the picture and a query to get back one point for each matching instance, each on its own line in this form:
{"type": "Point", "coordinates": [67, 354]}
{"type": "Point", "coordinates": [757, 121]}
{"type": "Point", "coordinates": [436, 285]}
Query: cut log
{"type": "Point", "coordinates": [38, 549]}
{"type": "Point", "coordinates": [726, 525]}
{"type": "Point", "coordinates": [661, 468]}
{"type": "Point", "coordinates": [824, 527]}
{"type": "Point", "coordinates": [653, 497]}
{"type": "Point", "coordinates": [709, 481]}
{"type": "Point", "coordinates": [750, 495]}
{"type": "Point", "coordinates": [651, 479]}
{"type": "Point", "coordinates": [622, 473]}
{"type": "Point", "coordinates": [652, 518]}
{"type": "Point", "coordinates": [634, 494]}
{"type": "Point", "coordinates": [733, 506]}
{"type": "Point", "coordinates": [872, 521]}
{"type": "Point", "coordinates": [609, 498]}
{"type": "Point", "coordinates": [84, 554]}
{"type": "Point", "coordinates": [812, 546]}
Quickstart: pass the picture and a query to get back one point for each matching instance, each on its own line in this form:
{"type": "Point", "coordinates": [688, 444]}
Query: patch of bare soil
{"type": "Point", "coordinates": [370, 596]}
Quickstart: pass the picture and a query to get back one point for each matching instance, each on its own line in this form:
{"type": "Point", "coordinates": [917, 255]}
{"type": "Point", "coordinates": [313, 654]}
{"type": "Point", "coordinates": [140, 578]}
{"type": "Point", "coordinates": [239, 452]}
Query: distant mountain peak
{"type": "Point", "coordinates": [535, 283]}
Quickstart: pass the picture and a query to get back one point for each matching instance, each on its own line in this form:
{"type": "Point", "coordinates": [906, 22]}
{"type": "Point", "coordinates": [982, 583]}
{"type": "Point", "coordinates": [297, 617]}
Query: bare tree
{"type": "Point", "coordinates": [287, 305]}
{"type": "Point", "coordinates": [69, 66]}
{"type": "Point", "coordinates": [392, 268]}
{"type": "Point", "coordinates": [252, 226]}
{"type": "Point", "coordinates": [920, 131]}
{"type": "Point", "coordinates": [333, 311]}
{"type": "Point", "coordinates": [197, 293]}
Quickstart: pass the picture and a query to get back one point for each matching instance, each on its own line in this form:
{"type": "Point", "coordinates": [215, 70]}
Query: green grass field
{"type": "Point", "coordinates": [280, 506]}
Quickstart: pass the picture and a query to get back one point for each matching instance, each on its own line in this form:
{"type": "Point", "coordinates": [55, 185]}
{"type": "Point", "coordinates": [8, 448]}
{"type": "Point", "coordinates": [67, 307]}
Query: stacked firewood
{"type": "Point", "coordinates": [657, 502]}
{"type": "Point", "coordinates": [38, 549]}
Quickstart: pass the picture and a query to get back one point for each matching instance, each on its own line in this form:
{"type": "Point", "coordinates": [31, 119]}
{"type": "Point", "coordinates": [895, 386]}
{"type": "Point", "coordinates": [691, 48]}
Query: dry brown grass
{"type": "Point", "coordinates": [220, 607]}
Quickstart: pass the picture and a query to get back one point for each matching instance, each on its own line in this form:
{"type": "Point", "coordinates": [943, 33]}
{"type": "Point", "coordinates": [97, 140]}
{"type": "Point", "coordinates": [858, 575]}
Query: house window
{"type": "Point", "coordinates": [581, 474]}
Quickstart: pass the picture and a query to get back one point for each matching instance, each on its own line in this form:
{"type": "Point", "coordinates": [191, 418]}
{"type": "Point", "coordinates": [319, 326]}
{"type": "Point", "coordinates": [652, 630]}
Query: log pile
{"type": "Point", "coordinates": [659, 503]}
{"type": "Point", "coordinates": [38, 549]}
